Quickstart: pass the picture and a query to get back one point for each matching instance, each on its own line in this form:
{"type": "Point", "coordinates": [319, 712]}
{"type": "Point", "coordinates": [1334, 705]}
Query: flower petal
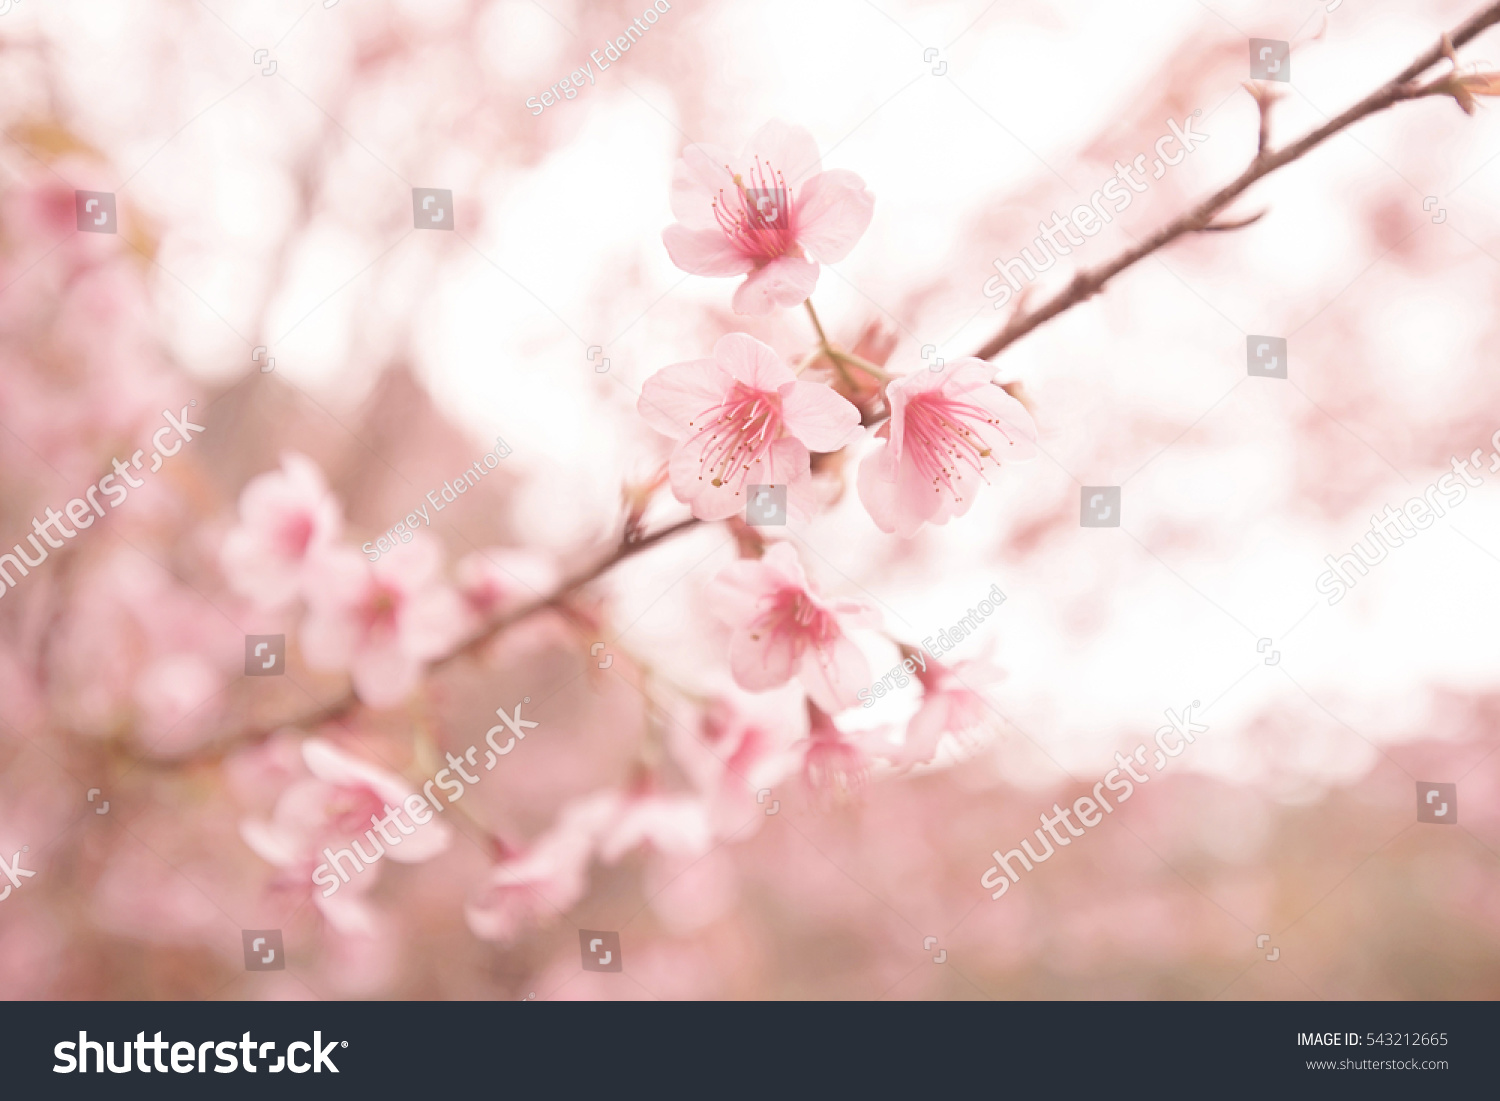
{"type": "Point", "coordinates": [790, 150]}
{"type": "Point", "coordinates": [762, 659]}
{"type": "Point", "coordinates": [426, 842]}
{"type": "Point", "coordinates": [832, 674]}
{"type": "Point", "coordinates": [696, 181]}
{"type": "Point", "coordinates": [333, 766]}
{"type": "Point", "coordinates": [819, 417]}
{"type": "Point", "coordinates": [877, 487]}
{"type": "Point", "coordinates": [738, 592]}
{"type": "Point", "coordinates": [673, 398]}
{"type": "Point", "coordinates": [833, 211]}
{"type": "Point", "coordinates": [705, 251]}
{"type": "Point", "coordinates": [784, 282]}
{"type": "Point", "coordinates": [752, 362]}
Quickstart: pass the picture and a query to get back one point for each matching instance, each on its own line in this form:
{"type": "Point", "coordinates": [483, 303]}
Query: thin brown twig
{"type": "Point", "coordinates": [1088, 282]}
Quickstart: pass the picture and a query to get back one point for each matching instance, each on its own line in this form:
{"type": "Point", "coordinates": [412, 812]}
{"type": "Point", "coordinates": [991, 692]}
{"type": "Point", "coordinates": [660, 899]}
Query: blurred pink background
{"type": "Point", "coordinates": [271, 210]}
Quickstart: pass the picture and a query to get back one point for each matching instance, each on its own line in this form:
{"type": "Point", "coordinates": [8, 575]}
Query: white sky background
{"type": "Point", "coordinates": [1099, 634]}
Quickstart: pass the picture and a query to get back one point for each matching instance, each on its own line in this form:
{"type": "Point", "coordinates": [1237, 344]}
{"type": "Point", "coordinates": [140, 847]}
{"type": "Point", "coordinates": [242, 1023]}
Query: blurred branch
{"type": "Point", "coordinates": [627, 548]}
{"type": "Point", "coordinates": [348, 702]}
{"type": "Point", "coordinates": [1088, 282]}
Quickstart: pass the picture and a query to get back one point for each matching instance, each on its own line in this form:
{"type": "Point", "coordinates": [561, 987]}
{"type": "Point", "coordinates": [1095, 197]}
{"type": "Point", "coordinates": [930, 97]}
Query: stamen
{"type": "Point", "coordinates": [738, 434]}
{"type": "Point", "coordinates": [940, 435]}
{"type": "Point", "coordinates": [758, 219]}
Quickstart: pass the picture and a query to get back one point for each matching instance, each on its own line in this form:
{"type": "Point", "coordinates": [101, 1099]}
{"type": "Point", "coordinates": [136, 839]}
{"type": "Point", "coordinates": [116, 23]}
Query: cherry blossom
{"type": "Point", "coordinates": [286, 517]}
{"type": "Point", "coordinates": [743, 418]}
{"type": "Point", "coordinates": [381, 621]}
{"type": "Point", "coordinates": [501, 577]}
{"type": "Point", "coordinates": [771, 212]}
{"type": "Point", "coordinates": [833, 762]}
{"type": "Point", "coordinates": [545, 880]}
{"type": "Point", "coordinates": [946, 425]}
{"type": "Point", "coordinates": [677, 825]}
{"type": "Point", "coordinates": [951, 705]}
{"type": "Point", "coordinates": [782, 629]}
{"type": "Point", "coordinates": [332, 807]}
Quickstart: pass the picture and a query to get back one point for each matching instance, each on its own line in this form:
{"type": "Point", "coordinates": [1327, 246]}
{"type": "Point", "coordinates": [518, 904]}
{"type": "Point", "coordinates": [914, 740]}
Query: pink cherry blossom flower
{"type": "Point", "coordinates": [381, 621]}
{"type": "Point", "coordinates": [833, 762]}
{"type": "Point", "coordinates": [501, 577]}
{"type": "Point", "coordinates": [750, 214]}
{"type": "Point", "coordinates": [781, 629]}
{"type": "Point", "coordinates": [677, 825]}
{"type": "Point", "coordinates": [286, 516]}
{"type": "Point", "coordinates": [742, 418]}
{"type": "Point", "coordinates": [951, 706]}
{"type": "Point", "coordinates": [332, 807]}
{"type": "Point", "coordinates": [546, 880]}
{"type": "Point", "coordinates": [945, 426]}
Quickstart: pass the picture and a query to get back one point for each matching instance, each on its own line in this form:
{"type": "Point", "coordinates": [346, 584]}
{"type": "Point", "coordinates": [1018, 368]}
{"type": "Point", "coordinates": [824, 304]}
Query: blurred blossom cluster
{"type": "Point", "coordinates": [705, 768]}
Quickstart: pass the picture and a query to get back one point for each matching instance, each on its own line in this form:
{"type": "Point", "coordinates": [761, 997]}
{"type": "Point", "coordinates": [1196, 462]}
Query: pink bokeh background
{"type": "Point", "coordinates": [272, 210]}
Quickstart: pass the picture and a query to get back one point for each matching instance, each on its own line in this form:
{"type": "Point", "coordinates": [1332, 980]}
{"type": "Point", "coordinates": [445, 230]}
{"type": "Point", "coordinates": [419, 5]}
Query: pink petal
{"type": "Point", "coordinates": [327, 639]}
{"type": "Point", "coordinates": [677, 395]}
{"type": "Point", "coordinates": [918, 501]}
{"type": "Point", "coordinates": [877, 487]}
{"type": "Point", "coordinates": [696, 181]}
{"type": "Point", "coordinates": [818, 416]}
{"type": "Point", "coordinates": [752, 362]}
{"type": "Point", "coordinates": [332, 765]}
{"type": "Point", "coordinates": [790, 150]}
{"type": "Point", "coordinates": [784, 282]}
{"type": "Point", "coordinates": [430, 839]}
{"type": "Point", "coordinates": [832, 675]}
{"type": "Point", "coordinates": [273, 845]}
{"type": "Point", "coordinates": [676, 825]}
{"type": "Point", "coordinates": [780, 559]}
{"type": "Point", "coordinates": [856, 613]}
{"type": "Point", "coordinates": [384, 674]}
{"type": "Point", "coordinates": [736, 593]}
{"type": "Point", "coordinates": [431, 622]}
{"type": "Point", "coordinates": [705, 251]}
{"type": "Point", "coordinates": [766, 661]}
{"type": "Point", "coordinates": [923, 733]}
{"type": "Point", "coordinates": [833, 211]}
{"type": "Point", "coordinates": [346, 911]}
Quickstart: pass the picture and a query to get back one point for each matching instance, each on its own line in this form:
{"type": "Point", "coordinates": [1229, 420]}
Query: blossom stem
{"type": "Point", "coordinates": [818, 325]}
{"type": "Point", "coordinates": [861, 364]}
{"type": "Point", "coordinates": [839, 359]}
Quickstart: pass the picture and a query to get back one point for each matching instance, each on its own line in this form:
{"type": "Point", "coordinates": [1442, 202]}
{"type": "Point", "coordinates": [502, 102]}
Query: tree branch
{"type": "Point", "coordinates": [1088, 282]}
{"type": "Point", "coordinates": [346, 703]}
